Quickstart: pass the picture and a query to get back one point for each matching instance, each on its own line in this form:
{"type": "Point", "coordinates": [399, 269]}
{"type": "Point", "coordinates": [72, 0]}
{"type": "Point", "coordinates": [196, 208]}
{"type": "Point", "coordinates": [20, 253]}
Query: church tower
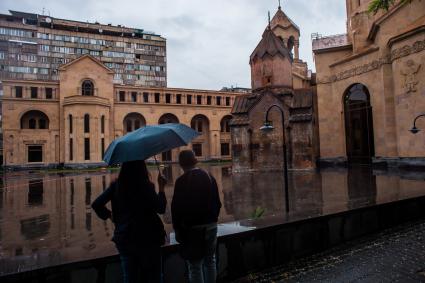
{"type": "Point", "coordinates": [271, 63]}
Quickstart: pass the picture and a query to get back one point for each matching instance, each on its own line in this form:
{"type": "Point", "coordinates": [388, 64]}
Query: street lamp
{"type": "Point", "coordinates": [415, 130]}
{"type": "Point", "coordinates": [268, 127]}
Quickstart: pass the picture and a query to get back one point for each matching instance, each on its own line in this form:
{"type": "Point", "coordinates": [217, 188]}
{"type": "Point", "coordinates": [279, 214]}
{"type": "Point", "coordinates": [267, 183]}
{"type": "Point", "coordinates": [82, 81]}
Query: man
{"type": "Point", "coordinates": [195, 208]}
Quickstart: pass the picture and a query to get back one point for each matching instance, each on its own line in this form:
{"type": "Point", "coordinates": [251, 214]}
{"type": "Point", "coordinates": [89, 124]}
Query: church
{"type": "Point", "coordinates": [278, 77]}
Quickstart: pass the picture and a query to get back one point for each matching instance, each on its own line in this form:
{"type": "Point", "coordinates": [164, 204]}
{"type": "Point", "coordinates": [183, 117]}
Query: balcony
{"type": "Point", "coordinates": [86, 100]}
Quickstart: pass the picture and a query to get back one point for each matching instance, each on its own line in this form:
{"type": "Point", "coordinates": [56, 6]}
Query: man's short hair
{"type": "Point", "coordinates": [187, 158]}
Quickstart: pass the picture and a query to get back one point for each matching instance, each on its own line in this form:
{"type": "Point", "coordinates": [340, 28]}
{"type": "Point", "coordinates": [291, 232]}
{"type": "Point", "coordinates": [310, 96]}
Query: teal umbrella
{"type": "Point", "coordinates": [147, 142]}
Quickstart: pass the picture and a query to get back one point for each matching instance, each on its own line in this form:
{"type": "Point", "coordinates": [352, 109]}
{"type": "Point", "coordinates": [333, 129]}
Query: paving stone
{"type": "Point", "coordinates": [394, 255]}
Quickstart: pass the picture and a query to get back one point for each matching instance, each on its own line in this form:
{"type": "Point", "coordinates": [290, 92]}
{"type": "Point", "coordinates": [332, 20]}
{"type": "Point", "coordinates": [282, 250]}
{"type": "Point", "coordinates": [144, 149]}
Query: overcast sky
{"type": "Point", "coordinates": [208, 42]}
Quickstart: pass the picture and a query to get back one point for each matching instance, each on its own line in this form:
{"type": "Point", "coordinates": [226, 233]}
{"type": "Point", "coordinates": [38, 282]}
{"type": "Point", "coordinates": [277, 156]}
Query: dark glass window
{"type": "Point", "coordinates": [134, 96]}
{"type": "Point", "coordinates": [225, 149]}
{"type": "Point", "coordinates": [227, 101]}
{"type": "Point", "coordinates": [199, 99]}
{"type": "Point", "coordinates": [209, 100]}
{"type": "Point", "coordinates": [129, 126]}
{"type": "Point", "coordinates": [49, 93]}
{"type": "Point", "coordinates": [34, 92]}
{"type": "Point", "coordinates": [189, 99]}
{"type": "Point", "coordinates": [167, 98]}
{"type": "Point", "coordinates": [87, 123]}
{"type": "Point", "coordinates": [18, 91]}
{"type": "Point", "coordinates": [122, 95]}
{"type": "Point", "coordinates": [35, 153]}
{"type": "Point", "coordinates": [218, 100]}
{"type": "Point", "coordinates": [87, 88]}
{"type": "Point", "coordinates": [136, 124]}
{"type": "Point", "coordinates": [71, 149]}
{"type": "Point", "coordinates": [70, 124]}
{"type": "Point", "coordinates": [42, 124]}
{"type": "Point", "coordinates": [156, 97]}
{"type": "Point", "coordinates": [32, 123]}
{"type": "Point", "coordinates": [102, 124]}
{"type": "Point", "coordinates": [197, 149]}
{"type": "Point", "coordinates": [102, 147]}
{"type": "Point", "coordinates": [179, 98]}
{"type": "Point", "coordinates": [145, 97]}
{"type": "Point", "coordinates": [86, 149]}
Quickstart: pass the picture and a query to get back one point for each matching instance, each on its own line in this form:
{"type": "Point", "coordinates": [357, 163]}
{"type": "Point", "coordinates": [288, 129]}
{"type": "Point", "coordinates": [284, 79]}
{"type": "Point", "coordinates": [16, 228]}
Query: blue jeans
{"type": "Point", "coordinates": [205, 270]}
{"type": "Point", "coordinates": [143, 267]}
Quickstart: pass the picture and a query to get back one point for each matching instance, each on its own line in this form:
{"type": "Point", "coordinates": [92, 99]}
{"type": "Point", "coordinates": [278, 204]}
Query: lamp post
{"type": "Point", "coordinates": [415, 130]}
{"type": "Point", "coordinates": [268, 127]}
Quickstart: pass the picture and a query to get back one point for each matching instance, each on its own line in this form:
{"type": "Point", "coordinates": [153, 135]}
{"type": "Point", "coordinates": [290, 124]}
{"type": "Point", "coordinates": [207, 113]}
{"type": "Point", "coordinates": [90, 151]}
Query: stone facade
{"type": "Point", "coordinates": [384, 54]}
{"type": "Point", "coordinates": [278, 77]}
{"type": "Point", "coordinates": [73, 120]}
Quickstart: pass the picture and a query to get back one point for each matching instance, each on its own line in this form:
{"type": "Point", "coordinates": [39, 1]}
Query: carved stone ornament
{"type": "Point", "coordinates": [409, 72]}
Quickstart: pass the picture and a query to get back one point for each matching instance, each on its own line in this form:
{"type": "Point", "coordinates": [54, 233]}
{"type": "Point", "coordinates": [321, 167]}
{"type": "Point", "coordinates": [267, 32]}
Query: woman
{"type": "Point", "coordinates": [139, 232]}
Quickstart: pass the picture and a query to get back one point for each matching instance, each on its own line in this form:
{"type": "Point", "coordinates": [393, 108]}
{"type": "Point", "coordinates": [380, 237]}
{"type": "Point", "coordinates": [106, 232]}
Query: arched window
{"type": "Point", "coordinates": [34, 119]}
{"type": "Point", "coordinates": [70, 124]}
{"type": "Point", "coordinates": [87, 88]}
{"type": "Point", "coordinates": [102, 124]}
{"type": "Point", "coordinates": [225, 124]}
{"type": "Point", "coordinates": [87, 123]}
{"type": "Point", "coordinates": [133, 121]}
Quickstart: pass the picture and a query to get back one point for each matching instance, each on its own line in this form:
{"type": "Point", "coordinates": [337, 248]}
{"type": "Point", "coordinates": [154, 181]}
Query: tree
{"type": "Point", "coordinates": [377, 5]}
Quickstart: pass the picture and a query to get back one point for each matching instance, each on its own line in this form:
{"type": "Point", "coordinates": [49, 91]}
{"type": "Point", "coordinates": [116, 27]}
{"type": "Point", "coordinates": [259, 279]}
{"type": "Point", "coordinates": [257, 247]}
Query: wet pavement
{"type": "Point", "coordinates": [394, 255]}
{"type": "Point", "coordinates": [46, 219]}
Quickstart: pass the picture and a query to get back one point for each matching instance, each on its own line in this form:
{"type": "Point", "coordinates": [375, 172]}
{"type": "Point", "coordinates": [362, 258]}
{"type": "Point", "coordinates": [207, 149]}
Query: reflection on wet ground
{"type": "Point", "coordinates": [46, 219]}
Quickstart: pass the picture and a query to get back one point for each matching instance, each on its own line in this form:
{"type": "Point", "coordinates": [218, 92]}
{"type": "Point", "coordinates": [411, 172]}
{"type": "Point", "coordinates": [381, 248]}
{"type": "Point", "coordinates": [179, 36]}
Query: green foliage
{"type": "Point", "coordinates": [376, 5]}
{"type": "Point", "coordinates": [258, 212]}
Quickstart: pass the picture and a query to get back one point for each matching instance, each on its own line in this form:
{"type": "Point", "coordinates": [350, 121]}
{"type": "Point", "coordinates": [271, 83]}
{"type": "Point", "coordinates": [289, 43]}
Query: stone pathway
{"type": "Point", "coordinates": [395, 255]}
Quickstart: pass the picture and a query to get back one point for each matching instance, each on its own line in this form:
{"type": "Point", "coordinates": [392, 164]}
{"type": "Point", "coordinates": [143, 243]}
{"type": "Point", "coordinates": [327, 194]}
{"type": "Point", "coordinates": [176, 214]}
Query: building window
{"type": "Point", "coordinates": [71, 149]}
{"type": "Point", "coordinates": [122, 95]}
{"type": "Point", "coordinates": [197, 149]}
{"type": "Point", "coordinates": [102, 124]}
{"type": "Point", "coordinates": [156, 97]}
{"type": "Point", "coordinates": [179, 98]}
{"type": "Point", "coordinates": [34, 92]}
{"type": "Point", "coordinates": [225, 149]}
{"type": "Point", "coordinates": [70, 124]}
{"type": "Point", "coordinates": [218, 100]}
{"type": "Point", "coordinates": [227, 101]}
{"type": "Point", "coordinates": [87, 88]}
{"type": "Point", "coordinates": [86, 149]}
{"type": "Point", "coordinates": [87, 123]}
{"type": "Point", "coordinates": [35, 153]}
{"type": "Point", "coordinates": [134, 96]}
{"type": "Point", "coordinates": [129, 126]}
{"type": "Point", "coordinates": [49, 93]}
{"type": "Point", "coordinates": [189, 99]}
{"type": "Point", "coordinates": [102, 147]}
{"type": "Point", "coordinates": [199, 99]}
{"type": "Point", "coordinates": [18, 91]}
{"type": "Point", "coordinates": [167, 98]}
{"type": "Point", "coordinates": [42, 124]}
{"type": "Point", "coordinates": [145, 97]}
{"type": "Point", "coordinates": [32, 124]}
{"type": "Point", "coordinates": [225, 124]}
{"type": "Point", "coordinates": [209, 100]}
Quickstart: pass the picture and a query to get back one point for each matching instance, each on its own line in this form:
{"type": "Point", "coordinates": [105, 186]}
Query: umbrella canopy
{"type": "Point", "coordinates": [147, 142]}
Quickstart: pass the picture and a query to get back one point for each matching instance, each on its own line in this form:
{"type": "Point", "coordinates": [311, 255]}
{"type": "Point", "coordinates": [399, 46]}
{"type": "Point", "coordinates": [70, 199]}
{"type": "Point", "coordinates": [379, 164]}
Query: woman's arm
{"type": "Point", "coordinates": [99, 204]}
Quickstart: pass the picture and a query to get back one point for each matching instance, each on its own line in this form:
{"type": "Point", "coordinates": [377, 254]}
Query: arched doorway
{"type": "Point", "coordinates": [358, 125]}
{"type": "Point", "coordinates": [133, 121]}
{"type": "Point", "coordinates": [35, 120]}
{"type": "Point", "coordinates": [167, 156]}
{"type": "Point", "coordinates": [201, 144]}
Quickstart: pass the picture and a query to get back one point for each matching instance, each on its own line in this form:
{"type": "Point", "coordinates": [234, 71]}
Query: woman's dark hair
{"type": "Point", "coordinates": [133, 176]}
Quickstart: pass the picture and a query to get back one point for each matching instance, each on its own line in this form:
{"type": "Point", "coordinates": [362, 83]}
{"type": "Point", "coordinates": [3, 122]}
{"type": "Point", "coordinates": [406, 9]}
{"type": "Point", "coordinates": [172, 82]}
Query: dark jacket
{"type": "Point", "coordinates": [137, 224]}
{"type": "Point", "coordinates": [196, 200]}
